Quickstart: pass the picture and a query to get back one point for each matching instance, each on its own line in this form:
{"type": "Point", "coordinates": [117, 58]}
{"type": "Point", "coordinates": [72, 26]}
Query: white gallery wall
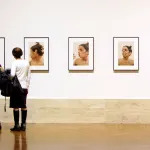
{"type": "Point", "coordinates": [101, 19]}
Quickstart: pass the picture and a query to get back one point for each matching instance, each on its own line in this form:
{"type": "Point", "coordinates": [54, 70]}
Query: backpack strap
{"type": "Point", "coordinates": [5, 105]}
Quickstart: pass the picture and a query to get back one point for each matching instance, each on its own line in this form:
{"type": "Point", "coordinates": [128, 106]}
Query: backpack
{"type": "Point", "coordinates": [5, 83]}
{"type": "Point", "coordinates": [16, 86]}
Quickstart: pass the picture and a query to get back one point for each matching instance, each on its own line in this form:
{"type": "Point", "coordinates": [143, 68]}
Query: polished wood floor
{"type": "Point", "coordinates": [76, 137]}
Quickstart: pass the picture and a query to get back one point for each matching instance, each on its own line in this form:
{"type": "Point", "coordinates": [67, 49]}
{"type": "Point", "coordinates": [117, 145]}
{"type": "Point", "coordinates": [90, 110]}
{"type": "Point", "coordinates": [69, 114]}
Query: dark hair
{"type": "Point", "coordinates": [86, 46]}
{"type": "Point", "coordinates": [17, 52]}
{"type": "Point", "coordinates": [129, 48]}
{"type": "Point", "coordinates": [38, 47]}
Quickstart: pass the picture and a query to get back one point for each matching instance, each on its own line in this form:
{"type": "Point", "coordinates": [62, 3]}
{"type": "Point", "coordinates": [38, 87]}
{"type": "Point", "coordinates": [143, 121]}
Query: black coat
{"type": "Point", "coordinates": [5, 83]}
{"type": "Point", "coordinates": [9, 84]}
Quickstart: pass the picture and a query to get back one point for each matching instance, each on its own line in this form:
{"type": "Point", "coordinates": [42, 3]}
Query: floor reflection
{"type": "Point", "coordinates": [20, 141]}
{"type": "Point", "coordinates": [77, 137]}
{"type": "Point", "coordinates": [0, 135]}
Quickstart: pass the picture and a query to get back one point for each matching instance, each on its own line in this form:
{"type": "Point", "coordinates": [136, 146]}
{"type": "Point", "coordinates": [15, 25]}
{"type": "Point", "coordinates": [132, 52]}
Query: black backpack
{"type": "Point", "coordinates": [5, 83]}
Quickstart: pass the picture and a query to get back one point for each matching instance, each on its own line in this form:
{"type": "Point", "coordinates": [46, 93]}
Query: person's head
{"type": "Point", "coordinates": [126, 51]}
{"type": "Point", "coordinates": [37, 50]}
{"type": "Point", "coordinates": [17, 52]}
{"type": "Point", "coordinates": [83, 50]}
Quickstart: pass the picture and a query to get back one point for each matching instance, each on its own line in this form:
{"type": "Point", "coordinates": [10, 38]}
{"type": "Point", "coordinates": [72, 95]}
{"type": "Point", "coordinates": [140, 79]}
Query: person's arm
{"type": "Point", "coordinates": [28, 77]}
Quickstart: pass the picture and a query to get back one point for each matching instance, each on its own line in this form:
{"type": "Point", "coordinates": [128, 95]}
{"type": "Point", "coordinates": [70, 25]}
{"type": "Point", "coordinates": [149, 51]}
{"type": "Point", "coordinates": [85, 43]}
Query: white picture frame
{"type": "Point", "coordinates": [2, 51]}
{"type": "Point", "coordinates": [41, 55]}
{"type": "Point", "coordinates": [76, 60]}
{"type": "Point", "coordinates": [126, 53]}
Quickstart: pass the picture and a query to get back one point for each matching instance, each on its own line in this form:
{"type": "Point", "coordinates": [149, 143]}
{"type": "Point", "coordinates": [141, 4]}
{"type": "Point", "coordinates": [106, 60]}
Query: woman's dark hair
{"type": "Point", "coordinates": [86, 46]}
{"type": "Point", "coordinates": [38, 47]}
{"type": "Point", "coordinates": [17, 52]}
{"type": "Point", "coordinates": [129, 48]}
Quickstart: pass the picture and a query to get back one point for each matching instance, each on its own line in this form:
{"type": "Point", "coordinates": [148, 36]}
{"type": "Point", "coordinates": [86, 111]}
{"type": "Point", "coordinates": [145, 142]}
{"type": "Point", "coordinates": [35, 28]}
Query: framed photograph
{"type": "Point", "coordinates": [2, 51]}
{"type": "Point", "coordinates": [126, 53]}
{"type": "Point", "coordinates": [36, 51]}
{"type": "Point", "coordinates": [81, 53]}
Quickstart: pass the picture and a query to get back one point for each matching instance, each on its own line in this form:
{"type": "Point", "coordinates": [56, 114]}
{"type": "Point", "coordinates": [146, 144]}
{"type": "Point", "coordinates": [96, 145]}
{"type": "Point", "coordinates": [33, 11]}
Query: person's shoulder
{"type": "Point", "coordinates": [131, 62]}
{"type": "Point", "coordinates": [27, 62]}
{"type": "Point", "coordinates": [23, 62]}
{"type": "Point", "coordinates": [120, 61]}
{"type": "Point", "coordinates": [77, 61]}
{"type": "Point", "coordinates": [14, 62]}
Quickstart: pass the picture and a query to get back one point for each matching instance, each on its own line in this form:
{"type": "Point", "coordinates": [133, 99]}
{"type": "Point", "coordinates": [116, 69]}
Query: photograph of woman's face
{"type": "Point", "coordinates": [36, 54]}
{"type": "Point", "coordinates": [36, 50]}
{"type": "Point", "coordinates": [81, 53]}
{"type": "Point", "coordinates": [125, 52]}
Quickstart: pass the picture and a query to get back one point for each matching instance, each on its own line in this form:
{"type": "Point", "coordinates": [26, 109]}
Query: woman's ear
{"type": "Point", "coordinates": [130, 53]}
{"type": "Point", "coordinates": [35, 51]}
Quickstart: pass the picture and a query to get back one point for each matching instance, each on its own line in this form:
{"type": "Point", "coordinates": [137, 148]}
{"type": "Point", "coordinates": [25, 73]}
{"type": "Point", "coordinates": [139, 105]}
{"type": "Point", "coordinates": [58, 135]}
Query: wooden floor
{"type": "Point", "coordinates": [76, 137]}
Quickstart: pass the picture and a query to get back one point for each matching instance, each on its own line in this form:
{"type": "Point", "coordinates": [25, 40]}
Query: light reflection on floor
{"type": "Point", "coordinates": [76, 137]}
